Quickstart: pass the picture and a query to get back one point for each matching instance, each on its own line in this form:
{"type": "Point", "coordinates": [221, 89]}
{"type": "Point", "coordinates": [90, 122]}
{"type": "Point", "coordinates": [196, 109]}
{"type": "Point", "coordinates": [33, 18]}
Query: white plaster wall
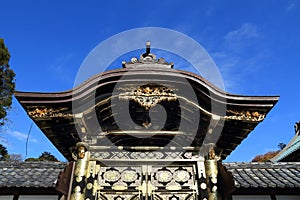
{"type": "Point", "coordinates": [38, 197]}
{"type": "Point", "coordinates": [251, 197]}
{"type": "Point", "coordinates": [287, 197]}
{"type": "Point", "coordinates": [6, 197]}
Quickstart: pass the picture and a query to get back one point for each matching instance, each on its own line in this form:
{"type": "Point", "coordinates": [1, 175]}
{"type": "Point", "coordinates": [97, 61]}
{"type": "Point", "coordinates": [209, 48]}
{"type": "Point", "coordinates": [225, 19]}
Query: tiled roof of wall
{"type": "Point", "coordinates": [30, 174]}
{"type": "Point", "coordinates": [292, 147]}
{"type": "Point", "coordinates": [245, 175]}
{"type": "Point", "coordinates": [265, 174]}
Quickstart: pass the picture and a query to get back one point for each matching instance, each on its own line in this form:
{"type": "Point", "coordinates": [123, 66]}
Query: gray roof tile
{"type": "Point", "coordinates": [266, 174]}
{"type": "Point", "coordinates": [245, 175]}
{"type": "Point", "coordinates": [29, 174]}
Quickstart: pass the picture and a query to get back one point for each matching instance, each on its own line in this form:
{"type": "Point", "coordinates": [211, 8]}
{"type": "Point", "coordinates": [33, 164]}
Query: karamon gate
{"type": "Point", "coordinates": [145, 131]}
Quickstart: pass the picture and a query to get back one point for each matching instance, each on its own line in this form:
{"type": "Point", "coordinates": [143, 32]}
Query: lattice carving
{"type": "Point", "coordinates": [167, 155]}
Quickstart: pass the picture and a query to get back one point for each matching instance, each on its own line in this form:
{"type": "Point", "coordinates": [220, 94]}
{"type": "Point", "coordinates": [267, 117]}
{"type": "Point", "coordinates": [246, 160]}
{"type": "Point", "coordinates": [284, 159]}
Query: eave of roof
{"type": "Point", "coordinates": [62, 133]}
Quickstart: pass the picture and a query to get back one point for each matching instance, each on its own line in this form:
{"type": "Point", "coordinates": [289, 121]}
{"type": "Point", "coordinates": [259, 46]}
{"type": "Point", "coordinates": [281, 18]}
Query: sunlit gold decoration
{"type": "Point", "coordinates": [245, 115]}
{"type": "Point", "coordinates": [173, 186]}
{"type": "Point", "coordinates": [79, 184]}
{"type": "Point", "coordinates": [181, 176]}
{"type": "Point", "coordinates": [44, 112]}
{"type": "Point", "coordinates": [81, 152]}
{"type": "Point", "coordinates": [111, 175]}
{"type": "Point", "coordinates": [211, 154]}
{"type": "Point", "coordinates": [164, 176]}
{"type": "Point", "coordinates": [118, 186]}
{"type": "Point", "coordinates": [129, 176]}
{"type": "Point", "coordinates": [149, 96]}
{"type": "Point", "coordinates": [212, 178]}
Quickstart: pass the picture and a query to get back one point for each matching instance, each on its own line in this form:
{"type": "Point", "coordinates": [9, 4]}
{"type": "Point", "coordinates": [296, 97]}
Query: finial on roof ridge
{"type": "Point", "coordinates": [297, 128]}
{"type": "Point", "coordinates": [147, 59]}
{"type": "Point", "coordinates": [148, 46]}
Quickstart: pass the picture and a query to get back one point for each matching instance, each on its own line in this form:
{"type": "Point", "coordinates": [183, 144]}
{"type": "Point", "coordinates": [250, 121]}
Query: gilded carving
{"type": "Point", "coordinates": [117, 178]}
{"type": "Point", "coordinates": [141, 182]}
{"type": "Point", "coordinates": [173, 178]}
{"type": "Point", "coordinates": [150, 95]}
{"type": "Point", "coordinates": [245, 115]}
{"type": "Point", "coordinates": [181, 176]}
{"type": "Point", "coordinates": [111, 175]}
{"type": "Point", "coordinates": [164, 176]}
{"type": "Point", "coordinates": [129, 176]}
{"type": "Point", "coordinates": [44, 112]}
{"type": "Point", "coordinates": [81, 152]}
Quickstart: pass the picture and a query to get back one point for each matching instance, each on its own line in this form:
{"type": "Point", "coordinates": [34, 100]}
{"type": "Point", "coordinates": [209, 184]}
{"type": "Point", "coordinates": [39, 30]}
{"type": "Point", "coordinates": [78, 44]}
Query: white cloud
{"type": "Point", "coordinates": [291, 6]}
{"type": "Point", "coordinates": [20, 136]}
{"type": "Point", "coordinates": [241, 56]}
{"type": "Point", "coordinates": [244, 32]}
{"type": "Point", "coordinates": [60, 69]}
{"type": "Point", "coordinates": [227, 65]}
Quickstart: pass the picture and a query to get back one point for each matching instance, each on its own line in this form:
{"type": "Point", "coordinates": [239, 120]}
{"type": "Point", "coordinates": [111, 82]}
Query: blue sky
{"type": "Point", "coordinates": [255, 45]}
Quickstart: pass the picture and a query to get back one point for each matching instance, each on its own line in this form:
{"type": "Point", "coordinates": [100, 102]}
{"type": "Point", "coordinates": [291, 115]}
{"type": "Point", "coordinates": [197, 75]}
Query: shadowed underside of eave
{"type": "Point", "coordinates": [54, 113]}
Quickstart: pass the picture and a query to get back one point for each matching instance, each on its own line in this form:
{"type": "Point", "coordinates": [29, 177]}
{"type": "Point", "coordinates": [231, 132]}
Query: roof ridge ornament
{"type": "Point", "coordinates": [297, 128]}
{"type": "Point", "coordinates": [148, 60]}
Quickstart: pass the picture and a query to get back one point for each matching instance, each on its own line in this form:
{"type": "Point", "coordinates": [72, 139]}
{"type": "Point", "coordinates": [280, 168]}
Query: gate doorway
{"type": "Point", "coordinates": [146, 182]}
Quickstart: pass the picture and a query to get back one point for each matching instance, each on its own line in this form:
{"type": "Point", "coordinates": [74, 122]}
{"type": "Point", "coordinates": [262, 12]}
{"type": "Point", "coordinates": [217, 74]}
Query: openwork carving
{"type": "Point", "coordinates": [149, 96]}
{"type": "Point", "coordinates": [163, 176]}
{"type": "Point", "coordinates": [167, 155]}
{"type": "Point", "coordinates": [119, 178]}
{"type": "Point", "coordinates": [111, 175]}
{"type": "Point", "coordinates": [44, 112]}
{"type": "Point", "coordinates": [135, 182]}
{"type": "Point", "coordinates": [245, 115]}
{"type": "Point", "coordinates": [173, 178]}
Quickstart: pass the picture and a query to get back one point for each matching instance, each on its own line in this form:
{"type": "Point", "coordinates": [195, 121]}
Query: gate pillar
{"type": "Point", "coordinates": [211, 168]}
{"type": "Point", "coordinates": [79, 180]}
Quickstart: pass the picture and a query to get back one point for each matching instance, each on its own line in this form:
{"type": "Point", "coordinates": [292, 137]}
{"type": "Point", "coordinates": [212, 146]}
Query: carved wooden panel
{"type": "Point", "coordinates": [147, 182]}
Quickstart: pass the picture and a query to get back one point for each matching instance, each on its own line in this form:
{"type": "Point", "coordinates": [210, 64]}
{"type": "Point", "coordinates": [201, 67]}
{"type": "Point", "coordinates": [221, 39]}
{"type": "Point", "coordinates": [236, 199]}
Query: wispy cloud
{"type": "Point", "coordinates": [211, 9]}
{"type": "Point", "coordinates": [291, 6]}
{"type": "Point", "coordinates": [20, 136]}
{"type": "Point", "coordinates": [61, 69]}
{"type": "Point", "coordinates": [242, 55]}
{"type": "Point", "coordinates": [245, 31]}
{"type": "Point", "coordinates": [242, 37]}
{"type": "Point", "coordinates": [227, 64]}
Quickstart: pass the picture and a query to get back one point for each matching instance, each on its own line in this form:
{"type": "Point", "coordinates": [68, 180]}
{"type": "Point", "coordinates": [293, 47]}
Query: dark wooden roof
{"type": "Point", "coordinates": [54, 115]}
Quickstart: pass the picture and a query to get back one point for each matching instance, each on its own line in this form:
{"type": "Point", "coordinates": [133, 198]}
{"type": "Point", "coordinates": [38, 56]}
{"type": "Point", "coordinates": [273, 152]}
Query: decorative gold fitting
{"type": "Point", "coordinates": [211, 167]}
{"type": "Point", "coordinates": [81, 150]}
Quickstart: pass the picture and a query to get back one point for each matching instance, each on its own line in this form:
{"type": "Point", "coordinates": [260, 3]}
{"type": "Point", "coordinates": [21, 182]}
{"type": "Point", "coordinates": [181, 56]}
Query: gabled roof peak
{"type": "Point", "coordinates": [147, 59]}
